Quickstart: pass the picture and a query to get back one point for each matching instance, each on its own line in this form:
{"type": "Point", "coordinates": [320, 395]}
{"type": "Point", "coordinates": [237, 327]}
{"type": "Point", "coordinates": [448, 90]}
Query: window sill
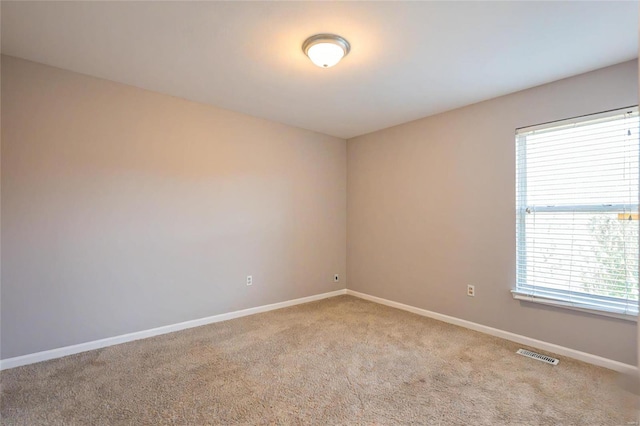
{"type": "Point", "coordinates": [562, 304]}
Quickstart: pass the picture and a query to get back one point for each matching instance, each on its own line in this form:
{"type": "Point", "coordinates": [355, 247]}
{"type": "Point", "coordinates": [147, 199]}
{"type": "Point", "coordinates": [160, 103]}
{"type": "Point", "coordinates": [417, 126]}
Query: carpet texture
{"type": "Point", "coordinates": [340, 361]}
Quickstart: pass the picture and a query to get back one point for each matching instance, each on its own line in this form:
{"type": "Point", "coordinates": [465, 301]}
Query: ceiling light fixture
{"type": "Point", "coordinates": [326, 50]}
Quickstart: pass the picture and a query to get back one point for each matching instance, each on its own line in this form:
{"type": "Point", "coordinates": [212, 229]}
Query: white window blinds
{"type": "Point", "coordinates": [577, 212]}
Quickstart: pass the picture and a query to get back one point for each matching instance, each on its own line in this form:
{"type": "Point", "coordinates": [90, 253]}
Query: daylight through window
{"type": "Point", "coordinates": [577, 212]}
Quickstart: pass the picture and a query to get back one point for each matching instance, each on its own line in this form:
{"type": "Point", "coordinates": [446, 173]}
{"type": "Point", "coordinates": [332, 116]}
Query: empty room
{"type": "Point", "coordinates": [322, 213]}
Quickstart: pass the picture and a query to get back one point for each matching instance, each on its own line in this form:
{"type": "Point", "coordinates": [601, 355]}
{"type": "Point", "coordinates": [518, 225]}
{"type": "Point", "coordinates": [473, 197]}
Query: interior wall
{"type": "Point", "coordinates": [431, 209]}
{"type": "Point", "coordinates": [124, 210]}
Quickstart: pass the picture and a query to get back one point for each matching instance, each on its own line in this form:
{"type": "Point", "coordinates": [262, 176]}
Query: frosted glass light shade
{"type": "Point", "coordinates": [325, 55]}
{"type": "Point", "coordinates": [326, 50]}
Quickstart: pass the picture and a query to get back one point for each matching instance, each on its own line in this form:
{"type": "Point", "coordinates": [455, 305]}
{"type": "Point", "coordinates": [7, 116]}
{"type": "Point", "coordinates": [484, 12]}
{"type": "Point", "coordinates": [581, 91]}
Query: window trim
{"type": "Point", "coordinates": [528, 297]}
{"type": "Point", "coordinates": [605, 305]}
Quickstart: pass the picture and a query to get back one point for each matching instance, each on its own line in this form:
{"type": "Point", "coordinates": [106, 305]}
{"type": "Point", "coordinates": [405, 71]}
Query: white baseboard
{"type": "Point", "coordinates": [539, 344]}
{"type": "Point", "coordinates": [110, 341]}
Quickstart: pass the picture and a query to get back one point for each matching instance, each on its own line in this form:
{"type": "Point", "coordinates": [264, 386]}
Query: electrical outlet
{"type": "Point", "coordinates": [336, 278]}
{"type": "Point", "coordinates": [471, 290]}
{"type": "Point", "coordinates": [249, 280]}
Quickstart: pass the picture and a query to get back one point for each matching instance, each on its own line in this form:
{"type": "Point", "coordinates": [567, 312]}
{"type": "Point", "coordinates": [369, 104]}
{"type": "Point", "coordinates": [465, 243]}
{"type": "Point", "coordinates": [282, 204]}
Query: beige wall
{"type": "Point", "coordinates": [124, 209]}
{"type": "Point", "coordinates": [431, 208]}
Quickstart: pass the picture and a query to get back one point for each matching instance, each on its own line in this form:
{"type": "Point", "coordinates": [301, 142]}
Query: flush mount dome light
{"type": "Point", "coordinates": [326, 50]}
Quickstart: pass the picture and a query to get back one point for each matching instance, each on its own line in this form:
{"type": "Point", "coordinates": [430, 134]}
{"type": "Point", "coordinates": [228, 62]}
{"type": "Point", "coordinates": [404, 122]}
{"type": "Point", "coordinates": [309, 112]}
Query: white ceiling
{"type": "Point", "coordinates": [408, 59]}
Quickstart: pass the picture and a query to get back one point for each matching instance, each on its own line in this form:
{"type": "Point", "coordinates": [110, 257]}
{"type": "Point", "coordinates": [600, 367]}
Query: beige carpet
{"type": "Point", "coordinates": [338, 361]}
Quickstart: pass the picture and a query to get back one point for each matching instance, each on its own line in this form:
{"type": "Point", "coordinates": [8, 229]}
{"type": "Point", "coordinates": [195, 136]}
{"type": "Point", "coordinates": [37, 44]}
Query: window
{"type": "Point", "coordinates": [577, 212]}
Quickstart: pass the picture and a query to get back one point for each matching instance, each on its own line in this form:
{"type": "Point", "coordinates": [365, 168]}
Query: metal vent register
{"type": "Point", "coordinates": [539, 357]}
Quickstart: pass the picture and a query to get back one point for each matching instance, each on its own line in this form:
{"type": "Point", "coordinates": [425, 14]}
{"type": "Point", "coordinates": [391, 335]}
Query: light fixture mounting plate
{"type": "Point", "coordinates": [326, 38]}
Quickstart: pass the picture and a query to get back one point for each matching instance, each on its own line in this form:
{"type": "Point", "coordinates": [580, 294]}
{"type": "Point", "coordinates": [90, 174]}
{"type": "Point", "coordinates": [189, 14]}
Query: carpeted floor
{"type": "Point", "coordinates": [337, 361]}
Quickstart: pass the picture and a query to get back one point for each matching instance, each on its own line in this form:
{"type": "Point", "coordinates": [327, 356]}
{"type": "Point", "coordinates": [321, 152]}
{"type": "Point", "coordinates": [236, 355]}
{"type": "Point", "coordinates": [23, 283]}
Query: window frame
{"type": "Point", "coordinates": [575, 300]}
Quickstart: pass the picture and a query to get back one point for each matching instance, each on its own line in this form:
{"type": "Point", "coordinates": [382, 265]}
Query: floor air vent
{"type": "Point", "coordinates": [539, 357]}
